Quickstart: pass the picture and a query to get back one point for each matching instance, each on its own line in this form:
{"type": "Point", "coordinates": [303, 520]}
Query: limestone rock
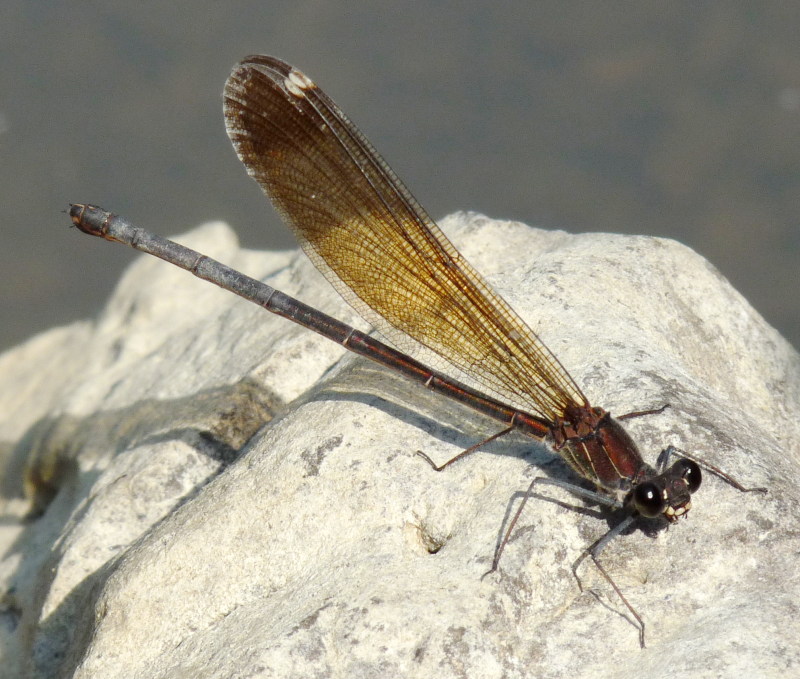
{"type": "Point", "coordinates": [214, 491]}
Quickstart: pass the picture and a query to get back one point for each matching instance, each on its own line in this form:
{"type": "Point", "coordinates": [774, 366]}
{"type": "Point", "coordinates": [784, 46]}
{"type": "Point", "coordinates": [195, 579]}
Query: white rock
{"type": "Point", "coordinates": [309, 554]}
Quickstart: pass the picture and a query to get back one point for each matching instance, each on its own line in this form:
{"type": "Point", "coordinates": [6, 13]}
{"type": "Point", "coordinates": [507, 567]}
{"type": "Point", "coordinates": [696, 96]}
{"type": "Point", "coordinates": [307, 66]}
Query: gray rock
{"type": "Point", "coordinates": [213, 491]}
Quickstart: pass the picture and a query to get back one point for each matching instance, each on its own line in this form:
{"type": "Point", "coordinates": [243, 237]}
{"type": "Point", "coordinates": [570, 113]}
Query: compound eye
{"type": "Point", "coordinates": [690, 472]}
{"type": "Point", "coordinates": [647, 500]}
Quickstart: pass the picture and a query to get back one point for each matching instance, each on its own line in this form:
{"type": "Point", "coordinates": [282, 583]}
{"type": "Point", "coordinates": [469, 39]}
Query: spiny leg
{"type": "Point", "coordinates": [594, 551]}
{"type": "Point", "coordinates": [669, 451]}
{"type": "Point", "coordinates": [585, 493]}
{"type": "Point", "coordinates": [466, 452]}
{"type": "Point", "coordinates": [642, 413]}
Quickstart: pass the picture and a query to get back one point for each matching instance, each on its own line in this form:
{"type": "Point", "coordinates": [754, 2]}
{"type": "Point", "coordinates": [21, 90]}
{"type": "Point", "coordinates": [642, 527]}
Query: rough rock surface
{"type": "Point", "coordinates": [216, 492]}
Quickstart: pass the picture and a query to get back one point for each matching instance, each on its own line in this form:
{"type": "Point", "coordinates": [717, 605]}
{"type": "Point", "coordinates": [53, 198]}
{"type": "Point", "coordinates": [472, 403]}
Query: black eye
{"type": "Point", "coordinates": [690, 473]}
{"type": "Point", "coordinates": [647, 500]}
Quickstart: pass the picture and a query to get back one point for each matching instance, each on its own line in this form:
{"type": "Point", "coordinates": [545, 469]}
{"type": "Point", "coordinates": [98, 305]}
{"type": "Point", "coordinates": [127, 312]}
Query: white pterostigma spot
{"type": "Point", "coordinates": [296, 82]}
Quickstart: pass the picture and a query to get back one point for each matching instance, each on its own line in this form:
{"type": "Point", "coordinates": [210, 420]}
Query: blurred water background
{"type": "Point", "coordinates": [672, 119]}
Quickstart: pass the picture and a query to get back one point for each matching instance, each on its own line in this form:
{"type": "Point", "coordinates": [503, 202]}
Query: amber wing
{"type": "Point", "coordinates": [376, 245]}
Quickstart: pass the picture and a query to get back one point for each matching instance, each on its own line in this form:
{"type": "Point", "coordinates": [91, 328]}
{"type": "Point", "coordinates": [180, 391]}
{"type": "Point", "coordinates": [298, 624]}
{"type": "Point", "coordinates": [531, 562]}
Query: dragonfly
{"type": "Point", "coordinates": [388, 259]}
